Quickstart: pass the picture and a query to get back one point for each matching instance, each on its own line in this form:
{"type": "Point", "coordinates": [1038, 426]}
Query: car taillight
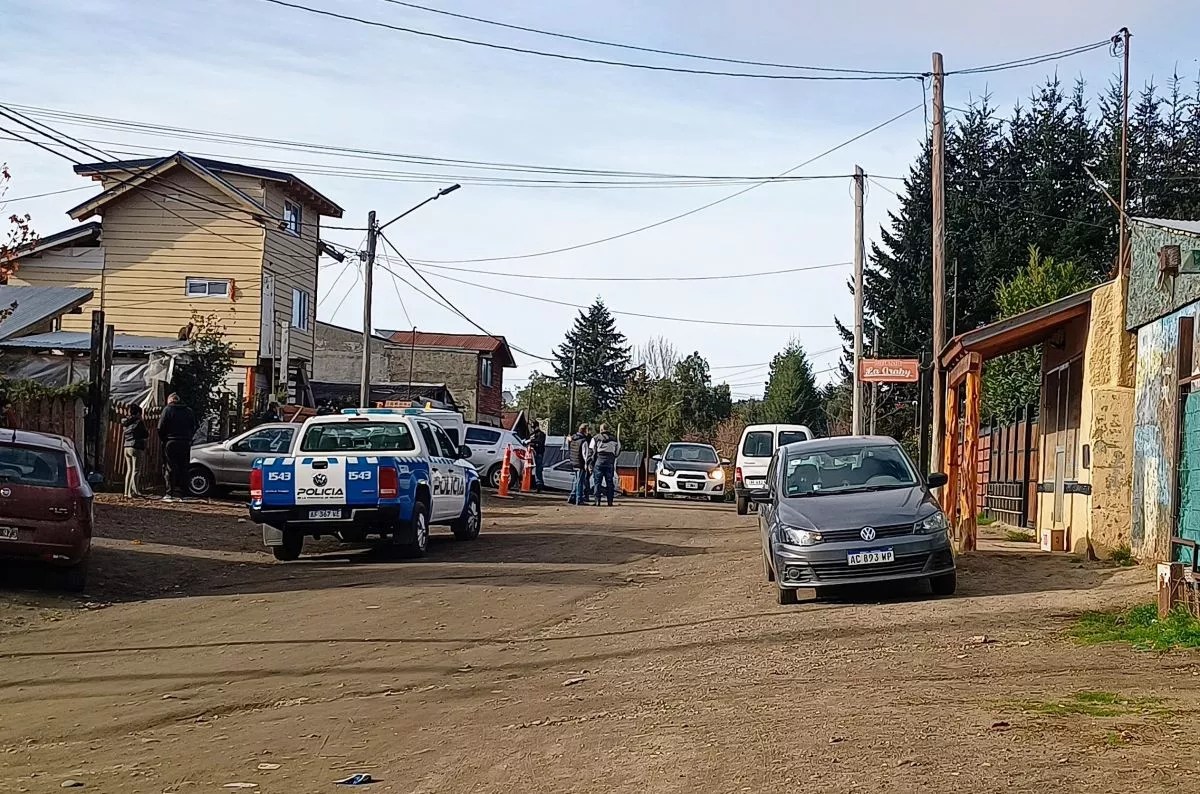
{"type": "Point", "coordinates": [256, 483]}
{"type": "Point", "coordinates": [389, 482]}
{"type": "Point", "coordinates": [74, 480]}
{"type": "Point", "coordinates": [737, 475]}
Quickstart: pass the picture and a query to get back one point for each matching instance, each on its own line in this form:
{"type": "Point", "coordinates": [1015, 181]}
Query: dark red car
{"type": "Point", "coordinates": [45, 504]}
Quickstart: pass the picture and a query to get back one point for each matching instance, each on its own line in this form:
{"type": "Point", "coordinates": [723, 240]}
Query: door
{"type": "Point", "coordinates": [755, 455]}
{"type": "Point", "coordinates": [485, 447]}
{"type": "Point", "coordinates": [239, 460]}
{"type": "Point", "coordinates": [437, 470]}
{"type": "Point", "coordinates": [766, 512]}
{"type": "Point", "coordinates": [454, 477]}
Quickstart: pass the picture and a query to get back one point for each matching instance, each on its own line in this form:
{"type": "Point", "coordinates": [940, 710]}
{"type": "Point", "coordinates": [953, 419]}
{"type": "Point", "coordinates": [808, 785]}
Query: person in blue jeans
{"type": "Point", "coordinates": [605, 449]}
{"type": "Point", "coordinates": [579, 452]}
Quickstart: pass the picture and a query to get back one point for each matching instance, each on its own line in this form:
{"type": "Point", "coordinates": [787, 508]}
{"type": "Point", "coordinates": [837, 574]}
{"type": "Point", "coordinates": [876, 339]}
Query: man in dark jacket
{"type": "Point", "coordinates": [579, 452]}
{"type": "Point", "coordinates": [604, 462]}
{"type": "Point", "coordinates": [176, 428]}
{"type": "Point", "coordinates": [537, 445]}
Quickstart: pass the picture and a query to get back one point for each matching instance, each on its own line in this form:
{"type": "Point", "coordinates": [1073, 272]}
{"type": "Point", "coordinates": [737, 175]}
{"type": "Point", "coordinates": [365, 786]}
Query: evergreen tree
{"type": "Point", "coordinates": [601, 353]}
{"type": "Point", "coordinates": [701, 405]}
{"type": "Point", "coordinates": [792, 395]}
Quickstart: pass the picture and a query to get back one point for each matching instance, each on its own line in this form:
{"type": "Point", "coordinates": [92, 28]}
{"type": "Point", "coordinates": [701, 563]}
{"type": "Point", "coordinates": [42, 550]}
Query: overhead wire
{"type": "Point", "coordinates": [43, 195]}
{"type": "Point", "coordinates": [719, 277]}
{"type": "Point", "coordinates": [584, 59]}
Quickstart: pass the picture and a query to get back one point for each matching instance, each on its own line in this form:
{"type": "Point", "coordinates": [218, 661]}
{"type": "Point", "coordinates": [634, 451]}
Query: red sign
{"type": "Point", "coordinates": [889, 370]}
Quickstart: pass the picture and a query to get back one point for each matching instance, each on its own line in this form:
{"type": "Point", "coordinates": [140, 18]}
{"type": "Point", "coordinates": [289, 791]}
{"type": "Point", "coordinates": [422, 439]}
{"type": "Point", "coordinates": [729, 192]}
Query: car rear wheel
{"type": "Point", "coordinates": [786, 596]}
{"type": "Point", "coordinates": [413, 542]}
{"type": "Point", "coordinates": [743, 505]}
{"type": "Point", "coordinates": [291, 548]}
{"type": "Point", "coordinates": [200, 482]}
{"type": "Point", "coordinates": [944, 585]}
{"type": "Point", "coordinates": [467, 526]}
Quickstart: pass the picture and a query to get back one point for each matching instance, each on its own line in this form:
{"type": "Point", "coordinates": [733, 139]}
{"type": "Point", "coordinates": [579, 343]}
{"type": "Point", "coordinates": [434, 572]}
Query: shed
{"type": "Point", "coordinates": [631, 472]}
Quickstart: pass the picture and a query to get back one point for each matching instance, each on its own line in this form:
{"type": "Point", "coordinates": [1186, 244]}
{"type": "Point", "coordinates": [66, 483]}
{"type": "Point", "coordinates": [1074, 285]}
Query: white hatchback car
{"type": "Point", "coordinates": [487, 454]}
{"type": "Point", "coordinates": [690, 470]}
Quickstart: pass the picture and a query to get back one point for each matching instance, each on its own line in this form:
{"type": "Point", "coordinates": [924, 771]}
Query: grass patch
{"type": "Point", "coordinates": [1141, 628]}
{"type": "Point", "coordinates": [1018, 536]}
{"type": "Point", "coordinates": [984, 521]}
{"type": "Point", "coordinates": [1123, 556]}
{"type": "Point", "coordinates": [1093, 704]}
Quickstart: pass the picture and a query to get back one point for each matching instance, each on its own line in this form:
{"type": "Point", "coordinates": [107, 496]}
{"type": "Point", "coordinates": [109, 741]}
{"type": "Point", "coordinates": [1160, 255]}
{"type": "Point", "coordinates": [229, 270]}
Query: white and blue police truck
{"type": "Point", "coordinates": [387, 473]}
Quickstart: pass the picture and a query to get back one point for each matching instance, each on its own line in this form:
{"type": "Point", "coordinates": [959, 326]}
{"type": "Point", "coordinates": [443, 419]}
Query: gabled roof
{"type": "Point", "coordinates": [303, 190]}
{"type": "Point", "coordinates": [32, 306]}
{"type": "Point", "coordinates": [496, 345]}
{"type": "Point", "coordinates": [135, 173]}
{"type": "Point", "coordinates": [83, 234]}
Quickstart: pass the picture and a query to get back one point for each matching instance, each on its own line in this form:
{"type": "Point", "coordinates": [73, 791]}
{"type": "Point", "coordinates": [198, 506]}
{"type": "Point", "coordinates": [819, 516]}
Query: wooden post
{"type": "Point", "coordinates": [92, 428]}
{"type": "Point", "coordinates": [937, 189]}
{"type": "Point", "coordinates": [970, 452]}
{"type": "Point", "coordinates": [1170, 580]}
{"type": "Point", "coordinates": [950, 458]}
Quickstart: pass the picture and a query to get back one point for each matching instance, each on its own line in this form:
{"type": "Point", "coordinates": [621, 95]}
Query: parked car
{"type": "Point", "coordinates": [560, 476]}
{"type": "Point", "coordinates": [755, 449]}
{"type": "Point", "coordinates": [690, 470]}
{"type": "Point", "coordinates": [45, 504]}
{"type": "Point", "coordinates": [487, 453]}
{"type": "Point", "coordinates": [224, 465]}
{"type": "Point", "coordinates": [851, 510]}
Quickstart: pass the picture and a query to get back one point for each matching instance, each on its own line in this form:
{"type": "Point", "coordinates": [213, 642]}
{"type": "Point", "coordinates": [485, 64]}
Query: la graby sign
{"type": "Point", "coordinates": [889, 370]}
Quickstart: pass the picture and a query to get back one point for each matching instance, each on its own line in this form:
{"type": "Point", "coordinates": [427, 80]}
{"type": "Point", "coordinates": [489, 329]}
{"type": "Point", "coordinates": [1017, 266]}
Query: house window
{"type": "Point", "coordinates": [300, 309]}
{"type": "Point", "coordinates": [485, 371]}
{"type": "Point", "coordinates": [293, 218]}
{"type": "Point", "coordinates": [195, 287]}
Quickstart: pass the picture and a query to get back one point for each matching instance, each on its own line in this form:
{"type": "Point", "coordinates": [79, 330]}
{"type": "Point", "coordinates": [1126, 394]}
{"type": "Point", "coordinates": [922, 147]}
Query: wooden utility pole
{"type": "Point", "coordinates": [856, 404]}
{"type": "Point", "coordinates": [939, 254]}
{"type": "Point", "coordinates": [1123, 236]}
{"type": "Point", "coordinates": [364, 385]}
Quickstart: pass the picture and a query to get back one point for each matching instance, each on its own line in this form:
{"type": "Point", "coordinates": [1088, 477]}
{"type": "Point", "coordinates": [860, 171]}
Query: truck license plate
{"type": "Point", "coordinates": [8, 533]}
{"type": "Point", "coordinates": [871, 557]}
{"type": "Point", "coordinates": [324, 515]}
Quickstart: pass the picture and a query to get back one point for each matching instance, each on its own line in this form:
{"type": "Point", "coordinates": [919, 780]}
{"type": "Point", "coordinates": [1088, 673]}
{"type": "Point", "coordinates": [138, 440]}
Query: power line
{"type": "Point", "coordinates": [542, 277]}
{"type": "Point", "coordinates": [636, 48]}
{"type": "Point", "coordinates": [673, 218]}
{"type": "Point", "coordinates": [598, 61]}
{"type": "Point", "coordinates": [43, 195]}
{"type": "Point", "coordinates": [1033, 60]}
{"type": "Point", "coordinates": [702, 321]}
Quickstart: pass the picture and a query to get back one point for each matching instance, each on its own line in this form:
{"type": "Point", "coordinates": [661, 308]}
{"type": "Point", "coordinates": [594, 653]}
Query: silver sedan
{"type": "Point", "coordinates": [226, 464]}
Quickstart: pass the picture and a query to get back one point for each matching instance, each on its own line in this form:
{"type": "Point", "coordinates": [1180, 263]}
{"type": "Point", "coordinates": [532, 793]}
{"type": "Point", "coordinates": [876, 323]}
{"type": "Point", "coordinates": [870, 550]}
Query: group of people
{"type": "Point", "coordinates": [176, 429]}
{"type": "Point", "coordinates": [593, 459]}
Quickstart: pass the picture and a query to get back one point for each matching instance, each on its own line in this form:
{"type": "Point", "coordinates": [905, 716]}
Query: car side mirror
{"type": "Point", "coordinates": [464, 452]}
{"type": "Point", "coordinates": [937, 480]}
{"type": "Point", "coordinates": [760, 496]}
{"type": "Point", "coordinates": [726, 462]}
{"type": "Point", "coordinates": [656, 458]}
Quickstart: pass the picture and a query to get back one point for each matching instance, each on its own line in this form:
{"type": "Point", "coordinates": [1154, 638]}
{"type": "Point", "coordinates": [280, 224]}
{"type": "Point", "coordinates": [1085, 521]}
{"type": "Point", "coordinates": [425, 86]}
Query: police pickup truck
{"type": "Point", "coordinates": [384, 472]}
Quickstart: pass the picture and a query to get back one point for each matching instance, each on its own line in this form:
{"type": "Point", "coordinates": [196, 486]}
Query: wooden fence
{"type": "Point", "coordinates": [114, 467]}
{"type": "Point", "coordinates": [61, 416]}
{"type": "Point", "coordinates": [1013, 472]}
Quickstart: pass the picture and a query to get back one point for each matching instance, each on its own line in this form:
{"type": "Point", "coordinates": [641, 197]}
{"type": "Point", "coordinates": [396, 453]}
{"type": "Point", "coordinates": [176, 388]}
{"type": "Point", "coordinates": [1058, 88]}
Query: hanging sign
{"type": "Point", "coordinates": [889, 370]}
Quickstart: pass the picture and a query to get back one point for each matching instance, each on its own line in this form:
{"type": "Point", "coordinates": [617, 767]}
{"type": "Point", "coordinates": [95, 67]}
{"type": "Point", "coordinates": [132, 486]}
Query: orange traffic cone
{"type": "Point", "coordinates": [502, 492]}
{"type": "Point", "coordinates": [527, 471]}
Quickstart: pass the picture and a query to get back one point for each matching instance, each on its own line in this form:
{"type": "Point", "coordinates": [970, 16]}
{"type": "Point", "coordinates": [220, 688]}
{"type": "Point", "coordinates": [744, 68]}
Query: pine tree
{"type": "Point", "coordinates": [701, 406]}
{"type": "Point", "coordinates": [792, 395]}
{"type": "Point", "coordinates": [601, 353]}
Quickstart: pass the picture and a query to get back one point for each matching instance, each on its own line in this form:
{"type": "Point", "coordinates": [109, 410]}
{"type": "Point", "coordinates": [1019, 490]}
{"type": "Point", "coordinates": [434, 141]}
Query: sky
{"type": "Point", "coordinates": [255, 68]}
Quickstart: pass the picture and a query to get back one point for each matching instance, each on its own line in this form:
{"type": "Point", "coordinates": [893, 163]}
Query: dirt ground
{"type": "Point", "coordinates": [632, 649]}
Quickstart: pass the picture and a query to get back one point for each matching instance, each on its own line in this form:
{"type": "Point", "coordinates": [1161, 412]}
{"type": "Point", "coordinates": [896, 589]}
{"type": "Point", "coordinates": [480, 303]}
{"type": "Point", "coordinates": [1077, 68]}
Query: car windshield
{"type": "Point", "coordinates": [33, 466]}
{"type": "Point", "coordinates": [353, 435]}
{"type": "Point", "coordinates": [758, 444]}
{"type": "Point", "coordinates": [690, 453]}
{"type": "Point", "coordinates": [848, 469]}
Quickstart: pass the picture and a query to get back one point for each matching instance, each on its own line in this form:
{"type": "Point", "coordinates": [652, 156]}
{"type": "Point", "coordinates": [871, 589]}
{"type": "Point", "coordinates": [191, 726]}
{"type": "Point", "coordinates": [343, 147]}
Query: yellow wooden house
{"type": "Point", "coordinates": [180, 236]}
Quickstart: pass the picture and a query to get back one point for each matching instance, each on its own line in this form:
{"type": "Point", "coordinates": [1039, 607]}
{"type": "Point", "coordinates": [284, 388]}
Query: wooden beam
{"type": "Point", "coordinates": [950, 455]}
{"type": "Point", "coordinates": [971, 361]}
{"type": "Point", "coordinates": [968, 496]}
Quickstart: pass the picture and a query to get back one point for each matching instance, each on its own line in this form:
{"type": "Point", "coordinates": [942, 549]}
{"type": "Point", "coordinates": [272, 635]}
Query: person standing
{"type": "Point", "coordinates": [133, 436]}
{"type": "Point", "coordinates": [273, 413]}
{"type": "Point", "coordinates": [578, 450]}
{"type": "Point", "coordinates": [537, 445]}
{"type": "Point", "coordinates": [604, 462]}
{"type": "Point", "coordinates": [176, 429]}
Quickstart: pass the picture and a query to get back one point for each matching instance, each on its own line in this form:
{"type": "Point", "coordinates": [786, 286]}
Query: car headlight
{"type": "Point", "coordinates": [801, 537]}
{"type": "Point", "coordinates": [666, 473]}
{"type": "Point", "coordinates": [717, 474]}
{"type": "Point", "coordinates": [932, 524]}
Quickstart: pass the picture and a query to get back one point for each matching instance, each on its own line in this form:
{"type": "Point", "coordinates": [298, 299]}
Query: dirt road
{"type": "Point", "coordinates": [633, 649]}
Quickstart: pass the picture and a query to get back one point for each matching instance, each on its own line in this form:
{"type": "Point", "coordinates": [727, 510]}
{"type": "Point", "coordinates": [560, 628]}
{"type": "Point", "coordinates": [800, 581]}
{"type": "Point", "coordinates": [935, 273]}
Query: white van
{"type": "Point", "coordinates": [758, 444]}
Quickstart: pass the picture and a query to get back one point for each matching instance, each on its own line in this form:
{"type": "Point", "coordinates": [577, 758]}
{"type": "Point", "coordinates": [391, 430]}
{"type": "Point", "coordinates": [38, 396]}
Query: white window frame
{"type": "Point", "coordinates": [293, 217]}
{"type": "Point", "coordinates": [301, 309]}
{"type": "Point", "coordinates": [486, 367]}
{"type": "Point", "coordinates": [190, 281]}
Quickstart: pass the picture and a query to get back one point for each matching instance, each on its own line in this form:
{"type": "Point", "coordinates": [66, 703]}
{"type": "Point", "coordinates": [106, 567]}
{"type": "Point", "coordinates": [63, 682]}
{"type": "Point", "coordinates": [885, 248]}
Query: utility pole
{"type": "Point", "coordinates": [412, 361]}
{"type": "Point", "coordinates": [874, 386]}
{"type": "Point", "coordinates": [1123, 236]}
{"type": "Point", "coordinates": [856, 409]}
{"type": "Point", "coordinates": [364, 385]}
{"type": "Point", "coordinates": [939, 254]}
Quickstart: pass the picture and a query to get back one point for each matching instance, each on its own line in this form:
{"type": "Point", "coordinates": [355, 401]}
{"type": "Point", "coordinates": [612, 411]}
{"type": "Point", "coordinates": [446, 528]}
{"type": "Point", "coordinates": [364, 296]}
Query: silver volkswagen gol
{"type": "Point", "coordinates": [851, 510]}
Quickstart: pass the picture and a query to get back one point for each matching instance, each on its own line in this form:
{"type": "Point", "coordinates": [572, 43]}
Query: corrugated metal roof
{"type": "Point", "coordinates": [484, 344]}
{"type": "Point", "coordinates": [33, 305]}
{"type": "Point", "coordinates": [81, 341]}
{"type": "Point", "coordinates": [1187, 227]}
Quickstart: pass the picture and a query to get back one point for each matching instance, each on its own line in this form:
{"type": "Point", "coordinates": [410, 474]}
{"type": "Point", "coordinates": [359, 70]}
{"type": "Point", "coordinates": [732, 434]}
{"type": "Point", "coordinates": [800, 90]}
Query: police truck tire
{"type": "Point", "coordinates": [290, 549]}
{"type": "Point", "coordinates": [468, 524]}
{"type": "Point", "coordinates": [412, 541]}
